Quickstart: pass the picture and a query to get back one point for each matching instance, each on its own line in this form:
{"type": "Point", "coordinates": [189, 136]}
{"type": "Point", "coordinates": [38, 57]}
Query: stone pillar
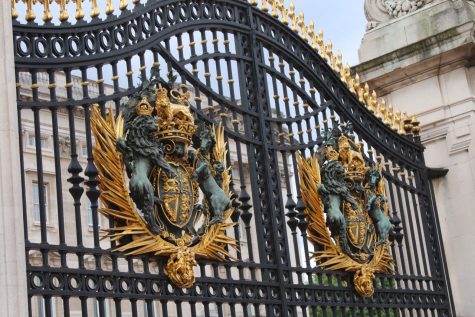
{"type": "Point", "coordinates": [423, 63]}
{"type": "Point", "coordinates": [13, 291]}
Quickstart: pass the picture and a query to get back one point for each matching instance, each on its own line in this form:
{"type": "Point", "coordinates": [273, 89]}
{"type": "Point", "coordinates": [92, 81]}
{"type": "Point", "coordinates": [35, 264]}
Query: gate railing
{"type": "Point", "coordinates": [275, 93]}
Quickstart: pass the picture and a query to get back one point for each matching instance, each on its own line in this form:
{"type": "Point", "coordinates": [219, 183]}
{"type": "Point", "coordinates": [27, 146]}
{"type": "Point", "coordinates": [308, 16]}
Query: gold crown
{"type": "Point", "coordinates": [352, 159]}
{"type": "Point", "coordinates": [175, 121]}
{"type": "Point", "coordinates": [144, 108]}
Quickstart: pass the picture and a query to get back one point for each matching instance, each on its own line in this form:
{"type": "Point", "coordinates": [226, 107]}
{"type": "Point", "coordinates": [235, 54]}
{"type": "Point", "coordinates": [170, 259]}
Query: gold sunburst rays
{"type": "Point", "coordinates": [215, 244]}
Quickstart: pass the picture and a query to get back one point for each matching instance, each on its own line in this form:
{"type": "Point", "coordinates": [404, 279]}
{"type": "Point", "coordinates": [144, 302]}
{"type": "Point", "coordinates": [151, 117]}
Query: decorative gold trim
{"type": "Point", "coordinates": [79, 11]}
{"type": "Point", "coordinates": [109, 7]}
{"type": "Point", "coordinates": [123, 4]}
{"type": "Point", "coordinates": [94, 9]}
{"type": "Point", "coordinates": [325, 50]}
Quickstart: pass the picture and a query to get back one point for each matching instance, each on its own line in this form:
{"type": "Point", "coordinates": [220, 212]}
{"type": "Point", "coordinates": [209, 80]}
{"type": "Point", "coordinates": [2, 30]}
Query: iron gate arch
{"type": "Point", "coordinates": [274, 95]}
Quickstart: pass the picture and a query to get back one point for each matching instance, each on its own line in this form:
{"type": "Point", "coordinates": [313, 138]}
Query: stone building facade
{"type": "Point", "coordinates": [422, 59]}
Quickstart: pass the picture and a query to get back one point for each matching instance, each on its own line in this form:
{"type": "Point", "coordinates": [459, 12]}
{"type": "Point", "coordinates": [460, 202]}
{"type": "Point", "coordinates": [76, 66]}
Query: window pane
{"type": "Point", "coordinates": [89, 213]}
{"type": "Point", "coordinates": [31, 140]}
{"type": "Point", "coordinates": [36, 203]}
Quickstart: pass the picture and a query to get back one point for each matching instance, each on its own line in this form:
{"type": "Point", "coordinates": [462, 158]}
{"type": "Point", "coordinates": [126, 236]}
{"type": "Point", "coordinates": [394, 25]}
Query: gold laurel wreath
{"type": "Point", "coordinates": [331, 257]}
{"type": "Point", "coordinates": [119, 206]}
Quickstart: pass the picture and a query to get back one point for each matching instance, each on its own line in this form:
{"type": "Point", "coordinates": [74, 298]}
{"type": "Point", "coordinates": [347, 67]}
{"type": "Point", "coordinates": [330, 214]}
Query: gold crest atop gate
{"type": "Point", "coordinates": [346, 209]}
{"type": "Point", "coordinates": [169, 160]}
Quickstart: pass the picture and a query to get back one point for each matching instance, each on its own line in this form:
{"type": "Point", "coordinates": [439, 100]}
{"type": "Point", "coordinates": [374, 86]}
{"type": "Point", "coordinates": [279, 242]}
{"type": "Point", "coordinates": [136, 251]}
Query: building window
{"type": "Point", "coordinates": [32, 142]}
{"type": "Point", "coordinates": [84, 150]}
{"type": "Point", "coordinates": [36, 202]}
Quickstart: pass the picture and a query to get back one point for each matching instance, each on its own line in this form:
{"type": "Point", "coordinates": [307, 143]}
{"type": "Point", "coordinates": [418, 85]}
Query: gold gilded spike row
{"type": "Point", "coordinates": [389, 115]}
{"type": "Point", "coordinates": [79, 14]}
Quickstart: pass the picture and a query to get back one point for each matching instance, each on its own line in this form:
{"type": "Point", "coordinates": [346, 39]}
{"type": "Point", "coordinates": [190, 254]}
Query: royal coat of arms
{"type": "Point", "coordinates": [346, 209]}
{"type": "Point", "coordinates": [164, 180]}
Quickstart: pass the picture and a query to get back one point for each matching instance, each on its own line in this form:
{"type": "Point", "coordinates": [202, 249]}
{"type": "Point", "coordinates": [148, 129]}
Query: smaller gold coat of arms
{"type": "Point", "coordinates": [164, 180]}
{"type": "Point", "coordinates": [347, 209]}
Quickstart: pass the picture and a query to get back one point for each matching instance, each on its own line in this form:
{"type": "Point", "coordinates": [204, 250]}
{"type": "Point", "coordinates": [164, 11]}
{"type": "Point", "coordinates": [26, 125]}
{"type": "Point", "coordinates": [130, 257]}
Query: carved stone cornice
{"type": "Point", "coordinates": [379, 11]}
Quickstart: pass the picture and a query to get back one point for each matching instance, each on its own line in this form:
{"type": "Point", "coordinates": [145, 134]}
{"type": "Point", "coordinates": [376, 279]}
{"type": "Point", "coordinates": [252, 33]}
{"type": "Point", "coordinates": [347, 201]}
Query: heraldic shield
{"type": "Point", "coordinates": [164, 180]}
{"type": "Point", "coordinates": [346, 208]}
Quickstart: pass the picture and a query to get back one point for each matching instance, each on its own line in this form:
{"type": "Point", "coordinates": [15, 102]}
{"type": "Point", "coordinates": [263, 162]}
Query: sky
{"type": "Point", "coordinates": [342, 21]}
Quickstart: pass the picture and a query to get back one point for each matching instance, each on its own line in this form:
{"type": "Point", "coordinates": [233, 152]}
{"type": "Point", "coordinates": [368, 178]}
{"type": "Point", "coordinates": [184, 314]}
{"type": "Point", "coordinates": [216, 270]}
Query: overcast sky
{"type": "Point", "coordinates": [342, 21]}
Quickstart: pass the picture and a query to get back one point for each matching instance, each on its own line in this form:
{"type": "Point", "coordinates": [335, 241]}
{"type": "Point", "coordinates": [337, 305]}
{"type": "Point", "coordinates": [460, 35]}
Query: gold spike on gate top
{"type": "Point", "coordinates": [283, 12]}
{"type": "Point", "coordinates": [63, 15]}
{"type": "Point", "coordinates": [320, 42]}
{"type": "Point", "coordinates": [329, 50]}
{"type": "Point", "coordinates": [94, 9]}
{"type": "Point", "coordinates": [347, 74]}
{"type": "Point", "coordinates": [396, 121]}
{"type": "Point", "coordinates": [361, 95]}
{"type": "Point", "coordinates": [339, 60]}
{"type": "Point", "coordinates": [293, 17]}
{"type": "Point", "coordinates": [264, 6]}
{"type": "Point", "coordinates": [30, 14]}
{"type": "Point", "coordinates": [254, 2]}
{"type": "Point", "coordinates": [47, 16]}
{"type": "Point", "coordinates": [123, 4]}
{"type": "Point", "coordinates": [407, 124]}
{"type": "Point", "coordinates": [79, 11]}
{"type": "Point", "coordinates": [416, 129]}
{"type": "Point", "coordinates": [351, 85]}
{"type": "Point", "coordinates": [274, 6]}
{"type": "Point", "coordinates": [374, 102]}
{"type": "Point", "coordinates": [390, 115]}
{"type": "Point", "coordinates": [136, 1]}
{"type": "Point", "coordinates": [382, 110]}
{"type": "Point", "coordinates": [14, 10]}
{"type": "Point", "coordinates": [109, 7]}
{"type": "Point", "coordinates": [367, 96]}
{"type": "Point", "coordinates": [313, 36]}
{"type": "Point", "coordinates": [401, 125]}
{"type": "Point", "coordinates": [303, 26]}
{"type": "Point", "coordinates": [356, 83]}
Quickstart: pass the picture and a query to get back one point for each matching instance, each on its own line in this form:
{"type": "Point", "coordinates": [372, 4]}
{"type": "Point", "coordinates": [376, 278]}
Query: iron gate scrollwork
{"type": "Point", "coordinates": [275, 97]}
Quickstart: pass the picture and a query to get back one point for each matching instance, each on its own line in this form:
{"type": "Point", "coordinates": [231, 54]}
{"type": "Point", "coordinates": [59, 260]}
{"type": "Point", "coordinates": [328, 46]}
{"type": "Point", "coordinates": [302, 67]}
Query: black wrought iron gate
{"type": "Point", "coordinates": [275, 95]}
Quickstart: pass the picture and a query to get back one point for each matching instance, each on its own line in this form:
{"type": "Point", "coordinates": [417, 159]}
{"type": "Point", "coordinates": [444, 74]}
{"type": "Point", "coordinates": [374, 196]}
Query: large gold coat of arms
{"type": "Point", "coordinates": [164, 180]}
{"type": "Point", "coordinates": [347, 209]}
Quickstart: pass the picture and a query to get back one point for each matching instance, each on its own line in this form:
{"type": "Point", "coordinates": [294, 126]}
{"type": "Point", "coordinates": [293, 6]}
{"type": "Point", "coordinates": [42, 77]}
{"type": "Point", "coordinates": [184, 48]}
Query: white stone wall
{"type": "Point", "coordinates": [426, 70]}
{"type": "Point", "coordinates": [13, 296]}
